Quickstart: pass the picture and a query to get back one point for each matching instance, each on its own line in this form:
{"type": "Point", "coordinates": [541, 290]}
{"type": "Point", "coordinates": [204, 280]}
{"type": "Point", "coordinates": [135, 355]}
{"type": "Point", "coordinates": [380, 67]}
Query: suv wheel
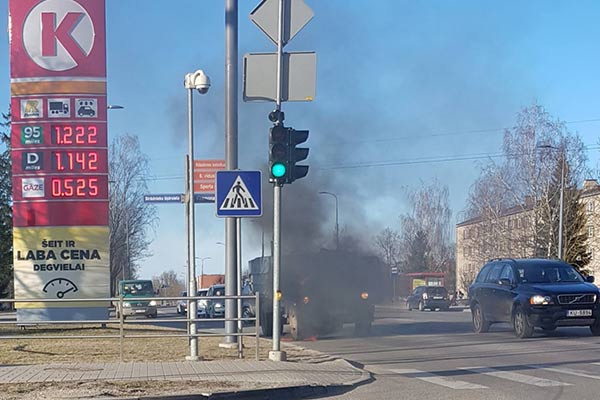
{"type": "Point", "coordinates": [421, 306]}
{"type": "Point", "coordinates": [480, 325]}
{"type": "Point", "coordinates": [521, 325]}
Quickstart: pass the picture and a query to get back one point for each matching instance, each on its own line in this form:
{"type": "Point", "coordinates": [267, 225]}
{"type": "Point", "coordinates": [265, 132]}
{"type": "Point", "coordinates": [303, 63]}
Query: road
{"type": "Point", "coordinates": [435, 355]}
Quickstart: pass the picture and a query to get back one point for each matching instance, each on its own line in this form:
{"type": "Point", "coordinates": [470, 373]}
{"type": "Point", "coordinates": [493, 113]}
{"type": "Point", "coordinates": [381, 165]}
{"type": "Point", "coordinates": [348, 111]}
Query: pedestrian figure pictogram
{"type": "Point", "coordinates": [238, 197]}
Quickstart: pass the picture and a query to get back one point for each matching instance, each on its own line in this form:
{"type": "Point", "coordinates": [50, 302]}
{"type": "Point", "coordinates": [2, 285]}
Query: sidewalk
{"type": "Point", "coordinates": [224, 379]}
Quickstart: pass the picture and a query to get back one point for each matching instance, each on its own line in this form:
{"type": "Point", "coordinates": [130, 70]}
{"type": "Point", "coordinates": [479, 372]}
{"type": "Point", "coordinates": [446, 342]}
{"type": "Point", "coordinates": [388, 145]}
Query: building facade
{"type": "Point", "coordinates": [510, 234]}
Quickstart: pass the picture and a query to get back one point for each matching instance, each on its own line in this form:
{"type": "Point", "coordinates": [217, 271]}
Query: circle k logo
{"type": "Point", "coordinates": [58, 34]}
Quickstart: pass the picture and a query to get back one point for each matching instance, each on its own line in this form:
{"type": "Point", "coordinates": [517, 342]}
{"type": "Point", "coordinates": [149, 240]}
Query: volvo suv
{"type": "Point", "coordinates": [533, 293]}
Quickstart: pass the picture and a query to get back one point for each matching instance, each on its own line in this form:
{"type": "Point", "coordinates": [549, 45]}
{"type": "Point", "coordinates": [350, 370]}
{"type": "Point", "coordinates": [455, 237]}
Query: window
{"type": "Point", "coordinates": [494, 274]}
{"type": "Point", "coordinates": [590, 231]}
{"type": "Point", "coordinates": [483, 273]}
{"type": "Point", "coordinates": [590, 207]}
{"type": "Point", "coordinates": [507, 273]}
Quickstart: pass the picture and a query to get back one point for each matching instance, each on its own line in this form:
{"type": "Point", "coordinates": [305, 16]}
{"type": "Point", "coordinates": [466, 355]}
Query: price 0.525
{"type": "Point", "coordinates": [82, 187]}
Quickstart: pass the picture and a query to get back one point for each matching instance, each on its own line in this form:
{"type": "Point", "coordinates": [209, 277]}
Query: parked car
{"type": "Point", "coordinates": [182, 305]}
{"type": "Point", "coordinates": [201, 304]}
{"type": "Point", "coordinates": [428, 297]}
{"type": "Point", "coordinates": [215, 308]}
{"type": "Point", "coordinates": [532, 293]}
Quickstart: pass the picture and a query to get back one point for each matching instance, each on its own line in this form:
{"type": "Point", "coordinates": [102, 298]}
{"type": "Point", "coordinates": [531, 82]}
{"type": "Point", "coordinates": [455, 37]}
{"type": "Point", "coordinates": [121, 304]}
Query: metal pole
{"type": "Point", "coordinates": [560, 215]}
{"type": "Point", "coordinates": [276, 265]}
{"type": "Point", "coordinates": [231, 155]}
{"type": "Point", "coordinates": [239, 287]}
{"type": "Point", "coordinates": [337, 225]}
{"type": "Point", "coordinates": [127, 245]}
{"type": "Point", "coordinates": [276, 354]}
{"type": "Point", "coordinates": [192, 311]}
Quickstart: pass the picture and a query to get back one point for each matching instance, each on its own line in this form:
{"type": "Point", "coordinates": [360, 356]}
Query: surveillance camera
{"type": "Point", "coordinates": [198, 80]}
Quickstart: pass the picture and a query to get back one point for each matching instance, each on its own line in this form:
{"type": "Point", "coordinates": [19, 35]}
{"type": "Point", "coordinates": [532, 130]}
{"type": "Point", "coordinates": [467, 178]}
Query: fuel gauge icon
{"type": "Point", "coordinates": [59, 287]}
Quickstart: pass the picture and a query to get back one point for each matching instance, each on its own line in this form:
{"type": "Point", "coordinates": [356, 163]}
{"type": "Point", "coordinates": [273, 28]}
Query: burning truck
{"type": "Point", "coordinates": [320, 291]}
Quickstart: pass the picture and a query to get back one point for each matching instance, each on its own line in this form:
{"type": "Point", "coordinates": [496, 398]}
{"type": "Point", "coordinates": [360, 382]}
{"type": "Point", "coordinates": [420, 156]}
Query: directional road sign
{"type": "Point", "coordinates": [296, 15]}
{"type": "Point", "coordinates": [238, 194]}
{"type": "Point", "coordinates": [299, 76]}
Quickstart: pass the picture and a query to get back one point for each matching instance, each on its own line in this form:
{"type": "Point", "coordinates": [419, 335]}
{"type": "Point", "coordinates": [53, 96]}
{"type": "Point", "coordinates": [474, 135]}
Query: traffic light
{"type": "Point", "coordinates": [296, 154]}
{"type": "Point", "coordinates": [278, 153]}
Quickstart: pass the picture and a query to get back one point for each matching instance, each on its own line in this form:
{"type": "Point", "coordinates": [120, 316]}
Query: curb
{"type": "Point", "coordinates": [283, 393]}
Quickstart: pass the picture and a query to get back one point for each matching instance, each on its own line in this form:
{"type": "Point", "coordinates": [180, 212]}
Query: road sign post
{"type": "Point", "coordinates": [280, 20]}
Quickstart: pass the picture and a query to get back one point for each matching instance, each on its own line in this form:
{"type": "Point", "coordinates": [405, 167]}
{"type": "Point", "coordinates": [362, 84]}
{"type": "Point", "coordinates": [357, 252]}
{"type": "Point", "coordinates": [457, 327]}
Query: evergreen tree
{"type": "Point", "coordinates": [419, 254]}
{"type": "Point", "coordinates": [6, 238]}
{"type": "Point", "coordinates": [574, 232]}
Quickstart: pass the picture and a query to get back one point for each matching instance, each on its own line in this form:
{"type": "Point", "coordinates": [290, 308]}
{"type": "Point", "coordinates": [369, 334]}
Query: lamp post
{"type": "Point", "coordinates": [202, 269]}
{"type": "Point", "coordinates": [337, 226]}
{"type": "Point", "coordinates": [199, 81]}
{"type": "Point", "coordinates": [562, 190]}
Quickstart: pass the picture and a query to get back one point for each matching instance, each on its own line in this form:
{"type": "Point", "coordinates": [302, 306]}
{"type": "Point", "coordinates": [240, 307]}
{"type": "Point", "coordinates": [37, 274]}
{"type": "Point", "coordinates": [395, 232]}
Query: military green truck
{"type": "Point", "coordinates": [136, 294]}
{"type": "Point", "coordinates": [320, 291]}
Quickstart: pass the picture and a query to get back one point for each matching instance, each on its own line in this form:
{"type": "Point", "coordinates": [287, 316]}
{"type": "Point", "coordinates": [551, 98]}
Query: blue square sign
{"type": "Point", "coordinates": [238, 194]}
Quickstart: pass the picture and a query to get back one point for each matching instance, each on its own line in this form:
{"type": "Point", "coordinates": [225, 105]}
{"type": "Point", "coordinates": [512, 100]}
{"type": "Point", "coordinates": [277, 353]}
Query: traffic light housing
{"type": "Point", "coordinates": [297, 154]}
{"type": "Point", "coordinates": [278, 153]}
{"type": "Point", "coordinates": [283, 154]}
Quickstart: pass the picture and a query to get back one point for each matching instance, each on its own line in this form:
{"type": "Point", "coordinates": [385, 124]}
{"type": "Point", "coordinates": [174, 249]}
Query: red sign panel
{"type": "Point", "coordinates": [204, 175]}
{"type": "Point", "coordinates": [57, 38]}
{"type": "Point", "coordinates": [58, 109]}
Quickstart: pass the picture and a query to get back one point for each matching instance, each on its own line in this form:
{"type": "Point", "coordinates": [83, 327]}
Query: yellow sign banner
{"type": "Point", "coordinates": [64, 263]}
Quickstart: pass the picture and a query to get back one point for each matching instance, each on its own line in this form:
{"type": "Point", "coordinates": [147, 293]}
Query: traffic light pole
{"type": "Point", "coordinates": [276, 354]}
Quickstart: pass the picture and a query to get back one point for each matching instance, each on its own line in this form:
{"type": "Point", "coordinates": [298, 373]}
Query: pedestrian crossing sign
{"type": "Point", "coordinates": [238, 194]}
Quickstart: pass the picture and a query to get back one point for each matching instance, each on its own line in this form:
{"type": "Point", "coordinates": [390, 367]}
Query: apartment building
{"type": "Point", "coordinates": [510, 235]}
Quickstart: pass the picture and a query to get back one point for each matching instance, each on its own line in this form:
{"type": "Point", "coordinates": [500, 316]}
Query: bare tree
{"type": "Point", "coordinates": [169, 284]}
{"type": "Point", "coordinates": [430, 215]}
{"type": "Point", "coordinates": [513, 198]}
{"type": "Point", "coordinates": [131, 220]}
{"type": "Point", "coordinates": [388, 246]}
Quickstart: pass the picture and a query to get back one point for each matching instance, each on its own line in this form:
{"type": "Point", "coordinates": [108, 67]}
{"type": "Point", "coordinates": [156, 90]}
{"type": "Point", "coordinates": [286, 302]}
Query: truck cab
{"type": "Point", "coordinates": [136, 298]}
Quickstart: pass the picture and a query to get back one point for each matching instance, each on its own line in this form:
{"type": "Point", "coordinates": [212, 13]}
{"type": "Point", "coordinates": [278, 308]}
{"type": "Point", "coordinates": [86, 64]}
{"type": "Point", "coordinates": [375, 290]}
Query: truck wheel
{"type": "Point", "coordinates": [295, 324]}
{"type": "Point", "coordinates": [362, 328]}
{"type": "Point", "coordinates": [266, 323]}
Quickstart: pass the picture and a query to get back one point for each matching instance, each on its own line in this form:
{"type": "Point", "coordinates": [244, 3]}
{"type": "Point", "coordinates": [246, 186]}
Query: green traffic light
{"type": "Point", "coordinates": [278, 170]}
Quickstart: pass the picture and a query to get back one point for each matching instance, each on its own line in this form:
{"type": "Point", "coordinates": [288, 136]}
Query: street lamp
{"type": "Point", "coordinates": [337, 226]}
{"type": "Point", "coordinates": [562, 190]}
{"type": "Point", "coordinates": [202, 269]}
{"type": "Point", "coordinates": [199, 81]}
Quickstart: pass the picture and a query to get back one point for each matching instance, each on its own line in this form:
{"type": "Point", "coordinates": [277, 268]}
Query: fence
{"type": "Point", "coordinates": [119, 304]}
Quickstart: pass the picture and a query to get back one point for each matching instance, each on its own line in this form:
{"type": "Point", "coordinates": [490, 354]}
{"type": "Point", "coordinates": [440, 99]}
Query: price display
{"type": "Point", "coordinates": [69, 135]}
{"type": "Point", "coordinates": [76, 187]}
{"type": "Point", "coordinates": [74, 160]}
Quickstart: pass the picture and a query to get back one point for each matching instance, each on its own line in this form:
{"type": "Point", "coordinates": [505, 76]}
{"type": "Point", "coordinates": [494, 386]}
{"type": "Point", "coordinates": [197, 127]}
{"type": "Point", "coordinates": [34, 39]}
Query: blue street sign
{"type": "Point", "coordinates": [238, 194]}
{"type": "Point", "coordinates": [163, 198]}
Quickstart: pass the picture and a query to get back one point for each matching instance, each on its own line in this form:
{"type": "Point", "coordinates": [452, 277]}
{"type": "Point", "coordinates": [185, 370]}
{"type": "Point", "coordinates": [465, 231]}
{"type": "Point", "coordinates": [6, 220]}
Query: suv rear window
{"type": "Point", "coordinates": [437, 291]}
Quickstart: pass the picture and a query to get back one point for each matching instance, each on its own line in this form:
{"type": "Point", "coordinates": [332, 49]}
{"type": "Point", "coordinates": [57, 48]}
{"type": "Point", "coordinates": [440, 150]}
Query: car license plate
{"type": "Point", "coordinates": [579, 313]}
{"type": "Point", "coordinates": [437, 298]}
{"type": "Point", "coordinates": [140, 311]}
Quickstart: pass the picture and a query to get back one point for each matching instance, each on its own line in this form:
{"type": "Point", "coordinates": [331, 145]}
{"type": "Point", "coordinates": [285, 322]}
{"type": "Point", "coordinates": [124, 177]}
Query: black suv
{"type": "Point", "coordinates": [430, 297]}
{"type": "Point", "coordinates": [533, 293]}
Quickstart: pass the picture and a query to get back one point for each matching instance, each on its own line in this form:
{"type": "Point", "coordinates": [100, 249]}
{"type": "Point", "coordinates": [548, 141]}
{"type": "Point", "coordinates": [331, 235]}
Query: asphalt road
{"type": "Point", "coordinates": [435, 355]}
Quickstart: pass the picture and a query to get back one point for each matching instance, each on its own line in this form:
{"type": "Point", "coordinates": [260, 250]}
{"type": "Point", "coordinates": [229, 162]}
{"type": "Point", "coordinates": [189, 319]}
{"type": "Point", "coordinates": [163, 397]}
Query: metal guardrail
{"type": "Point", "coordinates": [118, 303]}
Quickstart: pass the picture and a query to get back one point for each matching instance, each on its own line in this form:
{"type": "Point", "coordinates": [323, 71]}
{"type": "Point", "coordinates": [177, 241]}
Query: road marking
{"type": "Point", "coordinates": [437, 380]}
{"type": "Point", "coordinates": [515, 377]}
{"type": "Point", "coordinates": [568, 371]}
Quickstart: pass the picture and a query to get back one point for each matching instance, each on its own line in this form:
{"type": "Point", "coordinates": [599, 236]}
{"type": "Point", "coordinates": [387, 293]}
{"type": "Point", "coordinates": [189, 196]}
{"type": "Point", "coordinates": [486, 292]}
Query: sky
{"type": "Point", "coordinates": [407, 92]}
